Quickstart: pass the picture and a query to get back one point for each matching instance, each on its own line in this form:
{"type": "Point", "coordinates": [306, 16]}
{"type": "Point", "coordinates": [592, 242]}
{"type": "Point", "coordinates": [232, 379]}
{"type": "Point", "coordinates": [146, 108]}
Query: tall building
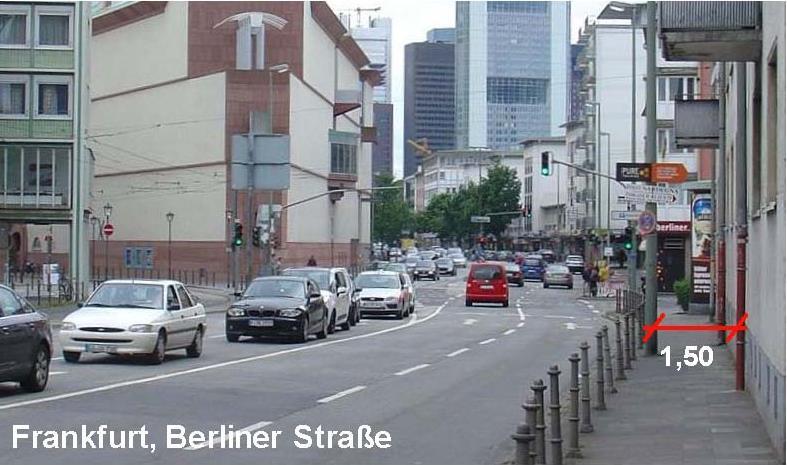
{"type": "Point", "coordinates": [429, 114]}
{"type": "Point", "coordinates": [382, 150]}
{"type": "Point", "coordinates": [575, 100]}
{"type": "Point", "coordinates": [442, 34]}
{"type": "Point", "coordinates": [512, 65]}
{"type": "Point", "coordinates": [46, 168]}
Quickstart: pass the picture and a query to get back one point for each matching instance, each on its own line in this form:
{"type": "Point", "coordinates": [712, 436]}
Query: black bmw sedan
{"type": "Point", "coordinates": [278, 306]}
{"type": "Point", "coordinates": [25, 343]}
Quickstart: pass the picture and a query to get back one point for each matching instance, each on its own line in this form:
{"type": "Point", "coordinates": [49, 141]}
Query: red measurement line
{"type": "Point", "coordinates": [657, 326]}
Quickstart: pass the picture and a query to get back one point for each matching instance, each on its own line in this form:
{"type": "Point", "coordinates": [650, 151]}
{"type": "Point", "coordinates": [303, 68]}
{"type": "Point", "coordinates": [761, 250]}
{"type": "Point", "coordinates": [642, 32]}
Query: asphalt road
{"type": "Point", "coordinates": [447, 385]}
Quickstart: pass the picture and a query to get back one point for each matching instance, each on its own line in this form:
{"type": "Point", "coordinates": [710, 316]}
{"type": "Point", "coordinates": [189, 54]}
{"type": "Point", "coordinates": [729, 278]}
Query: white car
{"type": "Point", "coordinates": [385, 293]}
{"type": "Point", "coordinates": [135, 317]}
{"type": "Point", "coordinates": [336, 289]}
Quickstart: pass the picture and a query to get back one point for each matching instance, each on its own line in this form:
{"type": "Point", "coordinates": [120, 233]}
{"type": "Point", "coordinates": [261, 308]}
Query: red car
{"type": "Point", "coordinates": [487, 282]}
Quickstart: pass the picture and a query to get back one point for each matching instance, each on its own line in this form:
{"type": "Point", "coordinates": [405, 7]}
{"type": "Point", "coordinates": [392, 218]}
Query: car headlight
{"type": "Point", "coordinates": [236, 311]}
{"type": "Point", "coordinates": [392, 300]}
{"type": "Point", "coordinates": [66, 326]}
{"type": "Point", "coordinates": [140, 329]}
{"type": "Point", "coordinates": [290, 312]}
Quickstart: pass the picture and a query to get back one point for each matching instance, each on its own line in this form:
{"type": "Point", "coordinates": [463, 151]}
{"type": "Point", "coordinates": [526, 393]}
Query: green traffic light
{"type": "Point", "coordinates": [628, 245]}
{"type": "Point", "coordinates": [238, 242]}
{"type": "Point", "coordinates": [545, 171]}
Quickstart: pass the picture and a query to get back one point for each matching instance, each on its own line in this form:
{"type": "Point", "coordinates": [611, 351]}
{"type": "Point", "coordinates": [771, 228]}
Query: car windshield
{"type": "Point", "coordinates": [573, 258]}
{"type": "Point", "coordinates": [276, 288]}
{"type": "Point", "coordinates": [557, 269]}
{"type": "Point", "coordinates": [321, 277]}
{"type": "Point", "coordinates": [396, 267]}
{"type": "Point", "coordinates": [425, 264]}
{"type": "Point", "coordinates": [128, 295]}
{"type": "Point", "coordinates": [445, 261]}
{"type": "Point", "coordinates": [532, 262]}
{"type": "Point", "coordinates": [457, 255]}
{"type": "Point", "coordinates": [485, 272]}
{"type": "Point", "coordinates": [376, 281]}
{"type": "Point", "coordinates": [411, 260]}
{"type": "Point", "coordinates": [512, 267]}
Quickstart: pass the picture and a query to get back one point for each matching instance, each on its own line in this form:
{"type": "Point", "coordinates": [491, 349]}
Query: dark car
{"type": "Point", "coordinates": [426, 269]}
{"type": "Point", "coordinates": [533, 268]}
{"type": "Point", "coordinates": [514, 274]}
{"type": "Point", "coordinates": [278, 306]}
{"type": "Point", "coordinates": [25, 343]}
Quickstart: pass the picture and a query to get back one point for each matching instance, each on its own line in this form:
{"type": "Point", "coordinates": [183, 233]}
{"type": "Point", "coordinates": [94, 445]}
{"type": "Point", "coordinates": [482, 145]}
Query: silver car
{"type": "Point", "coordinates": [384, 293]}
{"type": "Point", "coordinates": [459, 260]}
{"type": "Point", "coordinates": [558, 275]}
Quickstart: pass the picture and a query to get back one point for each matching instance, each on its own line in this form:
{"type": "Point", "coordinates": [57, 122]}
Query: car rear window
{"type": "Point", "coordinates": [557, 269]}
{"type": "Point", "coordinates": [532, 262]}
{"type": "Point", "coordinates": [485, 272]}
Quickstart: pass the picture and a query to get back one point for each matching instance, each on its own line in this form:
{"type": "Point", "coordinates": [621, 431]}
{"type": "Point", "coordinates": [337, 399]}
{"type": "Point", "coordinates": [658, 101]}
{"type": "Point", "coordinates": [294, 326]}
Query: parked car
{"type": "Point", "coordinates": [25, 342]}
{"type": "Point", "coordinates": [575, 263]}
{"type": "Point", "coordinates": [446, 266]}
{"type": "Point", "coordinates": [336, 287]}
{"type": "Point", "coordinates": [428, 255]}
{"type": "Point", "coordinates": [547, 255]}
{"type": "Point", "coordinates": [426, 269]}
{"type": "Point", "coordinates": [533, 268]}
{"type": "Point", "coordinates": [558, 275]}
{"type": "Point", "coordinates": [459, 260]}
{"type": "Point", "coordinates": [514, 274]}
{"type": "Point", "coordinates": [399, 268]}
{"type": "Point", "coordinates": [276, 306]}
{"type": "Point", "coordinates": [135, 317]}
{"type": "Point", "coordinates": [486, 282]}
{"type": "Point", "coordinates": [384, 293]}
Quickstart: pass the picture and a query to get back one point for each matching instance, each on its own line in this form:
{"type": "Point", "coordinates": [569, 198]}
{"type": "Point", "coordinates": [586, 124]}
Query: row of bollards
{"type": "Point", "coordinates": [530, 436]}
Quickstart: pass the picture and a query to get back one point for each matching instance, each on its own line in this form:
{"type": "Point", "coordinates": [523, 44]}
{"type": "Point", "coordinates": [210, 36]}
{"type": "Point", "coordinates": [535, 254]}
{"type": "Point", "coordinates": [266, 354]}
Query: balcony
{"type": "Point", "coordinates": [696, 123]}
{"type": "Point", "coordinates": [35, 177]}
{"type": "Point", "coordinates": [710, 31]}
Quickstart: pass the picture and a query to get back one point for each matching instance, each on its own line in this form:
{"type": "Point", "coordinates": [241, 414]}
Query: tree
{"type": "Point", "coordinates": [499, 192]}
{"type": "Point", "coordinates": [391, 212]}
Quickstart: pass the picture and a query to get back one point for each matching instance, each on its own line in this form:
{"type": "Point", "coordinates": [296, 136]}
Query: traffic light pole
{"type": "Point", "coordinates": [651, 244]}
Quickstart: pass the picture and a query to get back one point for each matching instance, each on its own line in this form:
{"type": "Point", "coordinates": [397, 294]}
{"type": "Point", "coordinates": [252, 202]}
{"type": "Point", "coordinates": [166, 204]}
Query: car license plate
{"type": "Point", "coordinates": [100, 348]}
{"type": "Point", "coordinates": [487, 287]}
{"type": "Point", "coordinates": [373, 304]}
{"type": "Point", "coordinates": [261, 323]}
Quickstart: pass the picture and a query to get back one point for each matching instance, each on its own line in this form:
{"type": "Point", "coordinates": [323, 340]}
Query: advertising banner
{"type": "Point", "coordinates": [701, 237]}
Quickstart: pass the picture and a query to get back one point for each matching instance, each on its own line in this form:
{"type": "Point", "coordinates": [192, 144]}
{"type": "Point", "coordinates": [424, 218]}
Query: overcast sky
{"type": "Point", "coordinates": [411, 19]}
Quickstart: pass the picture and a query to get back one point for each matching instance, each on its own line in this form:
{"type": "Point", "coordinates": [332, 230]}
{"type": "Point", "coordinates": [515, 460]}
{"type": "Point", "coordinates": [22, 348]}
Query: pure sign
{"type": "Point", "coordinates": [108, 229]}
{"type": "Point", "coordinates": [632, 172]}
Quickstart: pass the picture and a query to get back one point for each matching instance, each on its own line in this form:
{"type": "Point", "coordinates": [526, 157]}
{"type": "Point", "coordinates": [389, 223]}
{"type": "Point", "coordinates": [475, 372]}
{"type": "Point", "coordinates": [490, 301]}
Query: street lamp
{"type": "Point", "coordinates": [596, 106]}
{"type": "Point", "coordinates": [609, 163]}
{"type": "Point", "coordinates": [170, 217]}
{"type": "Point", "coordinates": [107, 214]}
{"type": "Point", "coordinates": [94, 223]}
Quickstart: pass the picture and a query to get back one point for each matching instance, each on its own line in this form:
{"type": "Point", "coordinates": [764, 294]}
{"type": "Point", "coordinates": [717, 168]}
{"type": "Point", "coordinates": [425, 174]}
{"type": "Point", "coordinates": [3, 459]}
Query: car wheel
{"type": "Point", "coordinates": [304, 334]}
{"type": "Point", "coordinates": [412, 308]}
{"type": "Point", "coordinates": [332, 324]}
{"type": "Point", "coordinates": [71, 357]}
{"type": "Point", "coordinates": [39, 374]}
{"type": "Point", "coordinates": [521, 284]}
{"type": "Point", "coordinates": [195, 349]}
{"type": "Point", "coordinates": [233, 337]}
{"type": "Point", "coordinates": [157, 356]}
{"type": "Point", "coordinates": [346, 325]}
{"type": "Point", "coordinates": [468, 303]}
{"type": "Point", "coordinates": [571, 287]}
{"type": "Point", "coordinates": [400, 314]}
{"type": "Point", "coordinates": [505, 304]}
{"type": "Point", "coordinates": [353, 317]}
{"type": "Point", "coordinates": [546, 286]}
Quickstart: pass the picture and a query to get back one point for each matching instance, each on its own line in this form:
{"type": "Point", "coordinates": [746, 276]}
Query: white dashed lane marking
{"type": "Point", "coordinates": [341, 394]}
{"type": "Point", "coordinates": [412, 369]}
{"type": "Point", "coordinates": [457, 352]}
{"type": "Point", "coordinates": [510, 331]}
{"type": "Point", "coordinates": [487, 341]}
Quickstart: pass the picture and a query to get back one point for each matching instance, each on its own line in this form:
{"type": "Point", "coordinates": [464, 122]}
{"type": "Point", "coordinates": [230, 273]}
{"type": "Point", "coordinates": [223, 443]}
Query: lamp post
{"type": "Point", "coordinates": [609, 163]}
{"type": "Point", "coordinates": [170, 217]}
{"type": "Point", "coordinates": [107, 215]}
{"type": "Point", "coordinates": [94, 223]}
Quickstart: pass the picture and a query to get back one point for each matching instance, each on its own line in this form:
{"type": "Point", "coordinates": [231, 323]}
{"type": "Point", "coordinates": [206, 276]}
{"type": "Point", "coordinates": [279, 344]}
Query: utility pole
{"type": "Point", "coordinates": [651, 241]}
{"type": "Point", "coordinates": [633, 253]}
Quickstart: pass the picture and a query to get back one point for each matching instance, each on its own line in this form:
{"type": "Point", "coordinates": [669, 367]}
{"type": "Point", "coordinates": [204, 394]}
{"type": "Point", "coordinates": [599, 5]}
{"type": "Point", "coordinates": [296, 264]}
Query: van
{"type": "Point", "coordinates": [486, 282]}
{"type": "Point", "coordinates": [533, 268]}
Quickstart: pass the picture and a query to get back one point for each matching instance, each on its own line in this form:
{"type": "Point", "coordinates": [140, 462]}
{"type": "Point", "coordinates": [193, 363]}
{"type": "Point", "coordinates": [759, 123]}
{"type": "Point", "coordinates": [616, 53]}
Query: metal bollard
{"type": "Point", "coordinates": [554, 415]}
{"type": "Point", "coordinates": [538, 390]}
{"type": "Point", "coordinates": [621, 375]}
{"type": "Point", "coordinates": [586, 427]}
{"type": "Point", "coordinates": [573, 419]}
{"type": "Point", "coordinates": [633, 336]}
{"type": "Point", "coordinates": [531, 409]}
{"type": "Point", "coordinates": [627, 341]}
{"type": "Point", "coordinates": [523, 438]}
{"type": "Point", "coordinates": [600, 403]}
{"type": "Point", "coordinates": [608, 373]}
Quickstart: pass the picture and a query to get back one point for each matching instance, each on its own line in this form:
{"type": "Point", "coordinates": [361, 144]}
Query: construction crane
{"type": "Point", "coordinates": [421, 146]}
{"type": "Point", "coordinates": [360, 10]}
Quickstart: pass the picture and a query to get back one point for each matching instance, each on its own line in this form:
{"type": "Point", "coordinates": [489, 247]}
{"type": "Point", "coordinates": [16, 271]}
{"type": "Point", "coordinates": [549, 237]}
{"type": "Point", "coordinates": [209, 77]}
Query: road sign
{"type": "Point", "coordinates": [632, 172]}
{"type": "Point", "coordinates": [641, 193]}
{"type": "Point", "coordinates": [480, 219]}
{"type": "Point", "coordinates": [108, 229]}
{"type": "Point", "coordinates": [624, 215]}
{"type": "Point", "coordinates": [608, 252]}
{"type": "Point", "coordinates": [672, 173]}
{"type": "Point", "coordinates": [646, 223]}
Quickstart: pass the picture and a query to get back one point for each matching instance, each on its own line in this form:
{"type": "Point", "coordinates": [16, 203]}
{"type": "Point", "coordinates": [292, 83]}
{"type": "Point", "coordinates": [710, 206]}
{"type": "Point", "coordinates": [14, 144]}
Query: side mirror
{"type": "Point", "coordinates": [357, 290]}
{"type": "Point", "coordinates": [341, 290]}
{"type": "Point", "coordinates": [316, 295]}
{"type": "Point", "coordinates": [237, 294]}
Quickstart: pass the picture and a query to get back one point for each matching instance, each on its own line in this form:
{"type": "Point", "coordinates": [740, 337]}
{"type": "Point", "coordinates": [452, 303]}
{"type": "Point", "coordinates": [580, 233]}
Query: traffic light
{"type": "Point", "coordinates": [546, 163]}
{"type": "Point", "coordinates": [237, 239]}
{"type": "Point", "coordinates": [256, 236]}
{"type": "Point", "coordinates": [527, 211]}
{"type": "Point", "coordinates": [628, 243]}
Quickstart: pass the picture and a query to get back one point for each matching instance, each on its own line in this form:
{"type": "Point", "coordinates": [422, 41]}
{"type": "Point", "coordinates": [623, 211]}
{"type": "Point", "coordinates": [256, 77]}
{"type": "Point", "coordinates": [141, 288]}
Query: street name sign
{"type": "Point", "coordinates": [672, 173]}
{"type": "Point", "coordinates": [632, 172]}
{"type": "Point", "coordinates": [480, 219]}
{"type": "Point", "coordinates": [624, 215]}
{"type": "Point", "coordinates": [641, 193]}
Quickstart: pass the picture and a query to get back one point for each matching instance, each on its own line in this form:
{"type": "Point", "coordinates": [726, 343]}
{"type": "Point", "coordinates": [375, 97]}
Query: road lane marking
{"type": "Point", "coordinates": [521, 314]}
{"type": "Point", "coordinates": [570, 326]}
{"type": "Point", "coordinates": [341, 394]}
{"type": "Point", "coordinates": [457, 352]}
{"type": "Point", "coordinates": [510, 331]}
{"type": "Point", "coordinates": [520, 324]}
{"type": "Point", "coordinates": [150, 379]}
{"type": "Point", "coordinates": [55, 373]}
{"type": "Point", "coordinates": [228, 439]}
{"type": "Point", "coordinates": [470, 321]}
{"type": "Point", "coordinates": [56, 358]}
{"type": "Point", "coordinates": [585, 302]}
{"type": "Point", "coordinates": [215, 336]}
{"type": "Point", "coordinates": [482, 343]}
{"type": "Point", "coordinates": [411, 369]}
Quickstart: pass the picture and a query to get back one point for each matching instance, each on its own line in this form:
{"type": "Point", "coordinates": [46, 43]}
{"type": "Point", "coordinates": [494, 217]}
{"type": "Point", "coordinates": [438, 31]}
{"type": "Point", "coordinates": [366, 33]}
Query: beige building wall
{"type": "Point", "coordinates": [318, 69]}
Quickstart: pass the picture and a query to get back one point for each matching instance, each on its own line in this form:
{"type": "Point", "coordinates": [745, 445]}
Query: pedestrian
{"type": "Point", "coordinates": [594, 278]}
{"type": "Point", "coordinates": [277, 266]}
{"type": "Point", "coordinates": [312, 261]}
{"type": "Point", "coordinates": [586, 279]}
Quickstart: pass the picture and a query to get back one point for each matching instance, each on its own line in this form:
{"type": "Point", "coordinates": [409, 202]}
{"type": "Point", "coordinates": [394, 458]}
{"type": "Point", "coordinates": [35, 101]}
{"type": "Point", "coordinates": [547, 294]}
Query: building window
{"type": "Point", "coordinates": [344, 158]}
{"type": "Point", "coordinates": [54, 26]}
{"type": "Point", "coordinates": [516, 90]}
{"type": "Point", "coordinates": [14, 26]}
{"type": "Point", "coordinates": [13, 96]}
{"type": "Point", "coordinates": [774, 125]}
{"type": "Point", "coordinates": [53, 97]}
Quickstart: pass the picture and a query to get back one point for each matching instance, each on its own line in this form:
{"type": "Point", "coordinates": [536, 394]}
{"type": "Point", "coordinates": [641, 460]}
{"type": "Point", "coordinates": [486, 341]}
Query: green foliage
{"type": "Point", "coordinates": [682, 289]}
{"type": "Point", "coordinates": [391, 212]}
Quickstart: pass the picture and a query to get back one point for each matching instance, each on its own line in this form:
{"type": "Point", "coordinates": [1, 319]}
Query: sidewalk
{"type": "Point", "coordinates": [665, 417]}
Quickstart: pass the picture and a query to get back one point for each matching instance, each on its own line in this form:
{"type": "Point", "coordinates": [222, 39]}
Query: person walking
{"type": "Point", "coordinates": [312, 261]}
{"type": "Point", "coordinates": [586, 280]}
{"type": "Point", "coordinates": [594, 279]}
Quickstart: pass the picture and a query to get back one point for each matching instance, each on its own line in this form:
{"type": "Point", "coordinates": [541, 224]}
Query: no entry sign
{"type": "Point", "coordinates": [108, 229]}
